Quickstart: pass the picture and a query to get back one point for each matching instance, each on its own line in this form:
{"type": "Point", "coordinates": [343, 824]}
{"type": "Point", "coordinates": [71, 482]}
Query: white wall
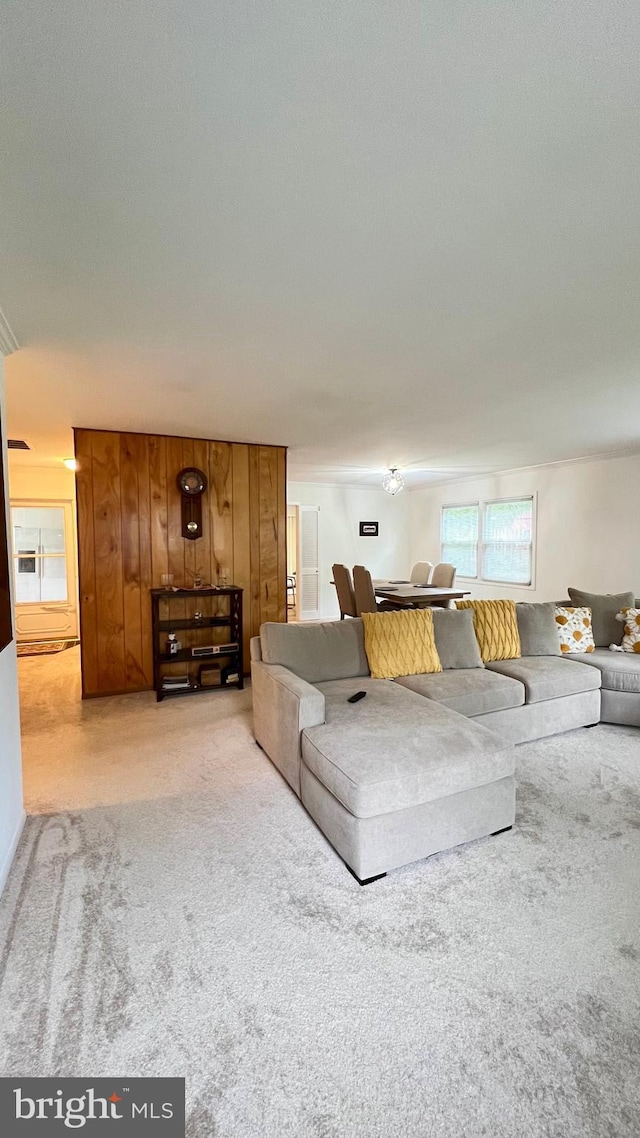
{"type": "Point", "coordinates": [11, 808]}
{"type": "Point", "coordinates": [587, 532]}
{"type": "Point", "coordinates": [341, 509]}
{"type": "Point", "coordinates": [40, 482]}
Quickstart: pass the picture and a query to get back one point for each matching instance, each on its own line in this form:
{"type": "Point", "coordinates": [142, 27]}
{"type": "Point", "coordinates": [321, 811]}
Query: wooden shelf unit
{"type": "Point", "coordinates": [173, 610]}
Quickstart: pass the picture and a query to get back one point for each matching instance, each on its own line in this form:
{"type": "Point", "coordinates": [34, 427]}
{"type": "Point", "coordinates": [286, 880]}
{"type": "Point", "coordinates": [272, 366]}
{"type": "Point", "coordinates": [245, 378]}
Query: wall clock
{"type": "Point", "coordinates": [192, 484]}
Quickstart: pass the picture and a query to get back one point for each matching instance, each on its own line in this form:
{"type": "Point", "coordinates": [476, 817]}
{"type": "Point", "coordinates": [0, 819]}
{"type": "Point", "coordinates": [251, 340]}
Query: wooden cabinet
{"type": "Point", "coordinates": [197, 640]}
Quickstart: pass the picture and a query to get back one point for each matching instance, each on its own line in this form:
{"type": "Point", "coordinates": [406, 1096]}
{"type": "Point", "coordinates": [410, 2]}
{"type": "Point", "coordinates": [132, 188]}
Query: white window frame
{"type": "Point", "coordinates": [481, 504]}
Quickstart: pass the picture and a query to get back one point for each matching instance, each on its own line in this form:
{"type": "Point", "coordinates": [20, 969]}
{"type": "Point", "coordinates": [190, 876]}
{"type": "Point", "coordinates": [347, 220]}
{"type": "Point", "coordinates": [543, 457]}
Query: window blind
{"type": "Point", "coordinates": [507, 541]}
{"type": "Point", "coordinates": [459, 538]}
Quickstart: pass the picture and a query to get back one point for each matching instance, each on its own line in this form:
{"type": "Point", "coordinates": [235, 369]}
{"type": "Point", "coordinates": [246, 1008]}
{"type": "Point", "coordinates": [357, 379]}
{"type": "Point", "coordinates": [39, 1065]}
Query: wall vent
{"type": "Point", "coordinates": [17, 444]}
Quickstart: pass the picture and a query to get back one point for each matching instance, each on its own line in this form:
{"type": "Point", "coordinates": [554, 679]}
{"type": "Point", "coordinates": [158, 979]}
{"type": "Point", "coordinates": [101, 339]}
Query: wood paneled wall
{"type": "Point", "coordinates": [129, 534]}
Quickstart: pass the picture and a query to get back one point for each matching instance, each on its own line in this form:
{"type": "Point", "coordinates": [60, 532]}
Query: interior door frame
{"type": "Point", "coordinates": [294, 506]}
{"type": "Point", "coordinates": [71, 552]}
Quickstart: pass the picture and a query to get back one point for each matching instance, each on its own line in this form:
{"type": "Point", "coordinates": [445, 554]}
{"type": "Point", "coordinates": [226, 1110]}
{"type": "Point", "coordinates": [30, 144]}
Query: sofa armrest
{"type": "Point", "coordinates": [283, 705]}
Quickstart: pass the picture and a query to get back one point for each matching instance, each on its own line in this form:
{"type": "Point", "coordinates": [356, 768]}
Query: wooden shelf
{"type": "Point", "coordinates": [186, 654]}
{"type": "Point", "coordinates": [204, 591]}
{"type": "Point", "coordinates": [168, 692]}
{"type": "Point", "coordinates": [227, 659]}
{"type": "Point", "coordinates": [206, 622]}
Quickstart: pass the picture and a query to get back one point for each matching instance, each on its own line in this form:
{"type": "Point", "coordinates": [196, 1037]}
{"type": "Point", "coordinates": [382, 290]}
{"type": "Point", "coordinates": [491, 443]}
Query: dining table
{"type": "Point", "coordinates": [406, 595]}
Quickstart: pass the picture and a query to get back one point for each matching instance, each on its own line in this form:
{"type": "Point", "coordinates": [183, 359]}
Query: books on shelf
{"type": "Point", "coordinates": [174, 683]}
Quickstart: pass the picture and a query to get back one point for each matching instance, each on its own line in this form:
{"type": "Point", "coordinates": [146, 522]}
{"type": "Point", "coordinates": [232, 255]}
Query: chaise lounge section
{"type": "Point", "coordinates": [394, 777]}
{"type": "Point", "coordinates": [422, 763]}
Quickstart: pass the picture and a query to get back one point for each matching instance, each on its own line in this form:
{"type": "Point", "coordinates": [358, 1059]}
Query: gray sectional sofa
{"type": "Point", "coordinates": [425, 762]}
{"type": "Point", "coordinates": [619, 671]}
{"type": "Point", "coordinates": [620, 680]}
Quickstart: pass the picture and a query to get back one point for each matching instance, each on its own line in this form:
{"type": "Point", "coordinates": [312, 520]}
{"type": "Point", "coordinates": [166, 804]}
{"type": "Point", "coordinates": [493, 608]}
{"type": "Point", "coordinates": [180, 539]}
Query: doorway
{"type": "Point", "coordinates": [44, 570]}
{"type": "Point", "coordinates": [303, 564]}
{"type": "Point", "coordinates": [293, 559]}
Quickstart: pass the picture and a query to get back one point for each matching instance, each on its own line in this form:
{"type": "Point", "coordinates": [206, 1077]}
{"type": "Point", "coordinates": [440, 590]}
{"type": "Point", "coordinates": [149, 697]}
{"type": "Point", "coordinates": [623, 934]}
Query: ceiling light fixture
{"type": "Point", "coordinates": [392, 481]}
{"type": "Point", "coordinates": [70, 463]}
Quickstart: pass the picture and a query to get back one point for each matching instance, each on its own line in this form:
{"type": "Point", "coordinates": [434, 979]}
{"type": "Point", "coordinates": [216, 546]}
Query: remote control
{"type": "Point", "coordinates": [358, 695]}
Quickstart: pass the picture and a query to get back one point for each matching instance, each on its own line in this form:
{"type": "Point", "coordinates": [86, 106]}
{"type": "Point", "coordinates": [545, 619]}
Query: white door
{"type": "Point", "coordinates": [309, 564]}
{"type": "Point", "coordinates": [44, 575]}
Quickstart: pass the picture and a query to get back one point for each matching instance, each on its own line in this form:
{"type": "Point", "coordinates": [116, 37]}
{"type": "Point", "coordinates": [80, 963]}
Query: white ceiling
{"type": "Point", "coordinates": [379, 233]}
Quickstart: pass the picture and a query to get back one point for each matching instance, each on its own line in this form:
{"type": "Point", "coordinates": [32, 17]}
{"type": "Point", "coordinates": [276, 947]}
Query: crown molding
{"type": "Point", "coordinates": [8, 342]}
{"type": "Point", "coordinates": [602, 456]}
{"type": "Point", "coordinates": [460, 479]}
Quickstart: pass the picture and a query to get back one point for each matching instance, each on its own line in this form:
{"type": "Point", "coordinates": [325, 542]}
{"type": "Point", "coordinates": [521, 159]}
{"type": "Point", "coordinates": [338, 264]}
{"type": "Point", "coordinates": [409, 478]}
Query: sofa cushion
{"type": "Point", "coordinates": [538, 629]}
{"type": "Point", "coordinates": [604, 606]}
{"type": "Point", "coordinates": [396, 749]}
{"type": "Point", "coordinates": [496, 628]}
{"type": "Point", "coordinates": [400, 643]}
{"type": "Point", "coordinates": [456, 639]}
{"type": "Point", "coordinates": [546, 677]}
{"type": "Point", "coordinates": [316, 651]}
{"type": "Point", "coordinates": [471, 691]}
{"type": "Point", "coordinates": [620, 671]}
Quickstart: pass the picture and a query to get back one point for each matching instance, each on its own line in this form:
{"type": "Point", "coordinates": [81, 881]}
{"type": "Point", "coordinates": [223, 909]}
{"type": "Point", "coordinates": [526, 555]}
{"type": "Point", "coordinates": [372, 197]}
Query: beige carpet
{"type": "Point", "coordinates": [183, 916]}
{"type": "Point", "coordinates": [100, 752]}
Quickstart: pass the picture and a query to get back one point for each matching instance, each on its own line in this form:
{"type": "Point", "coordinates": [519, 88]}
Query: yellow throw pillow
{"type": "Point", "coordinates": [400, 643]}
{"type": "Point", "coordinates": [496, 628]}
{"type": "Point", "coordinates": [574, 629]}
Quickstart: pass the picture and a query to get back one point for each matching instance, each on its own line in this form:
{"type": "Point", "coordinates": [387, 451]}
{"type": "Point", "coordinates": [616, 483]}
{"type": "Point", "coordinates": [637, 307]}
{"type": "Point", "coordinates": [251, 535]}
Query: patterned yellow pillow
{"type": "Point", "coordinates": [496, 628]}
{"type": "Point", "coordinates": [400, 643]}
{"type": "Point", "coordinates": [574, 628]}
{"type": "Point", "coordinates": [631, 639]}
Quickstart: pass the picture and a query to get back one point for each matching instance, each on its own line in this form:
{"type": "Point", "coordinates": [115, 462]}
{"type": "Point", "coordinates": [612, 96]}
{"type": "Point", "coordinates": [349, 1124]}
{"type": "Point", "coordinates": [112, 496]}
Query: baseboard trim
{"type": "Point", "coordinates": [11, 852]}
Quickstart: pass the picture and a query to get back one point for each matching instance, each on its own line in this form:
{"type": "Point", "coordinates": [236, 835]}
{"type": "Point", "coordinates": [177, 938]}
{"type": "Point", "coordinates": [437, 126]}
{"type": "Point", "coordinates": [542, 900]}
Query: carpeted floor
{"type": "Point", "coordinates": [206, 929]}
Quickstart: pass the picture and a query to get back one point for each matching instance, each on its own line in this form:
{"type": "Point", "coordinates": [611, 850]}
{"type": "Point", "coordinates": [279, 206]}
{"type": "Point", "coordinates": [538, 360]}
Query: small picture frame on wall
{"type": "Point", "coordinates": [368, 529]}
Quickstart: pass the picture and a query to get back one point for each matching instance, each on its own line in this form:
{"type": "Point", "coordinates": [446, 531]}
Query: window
{"type": "Point", "coordinates": [507, 540]}
{"type": "Point", "coordinates": [491, 541]}
{"type": "Point", "coordinates": [460, 538]}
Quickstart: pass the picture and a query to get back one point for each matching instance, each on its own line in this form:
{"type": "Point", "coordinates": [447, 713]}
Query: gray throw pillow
{"type": "Point", "coordinates": [456, 639]}
{"type": "Point", "coordinates": [316, 651]}
{"type": "Point", "coordinates": [604, 606]}
{"type": "Point", "coordinates": [538, 629]}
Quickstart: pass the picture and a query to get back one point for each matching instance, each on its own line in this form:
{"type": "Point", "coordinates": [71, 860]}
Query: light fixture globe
{"type": "Point", "coordinates": [392, 481]}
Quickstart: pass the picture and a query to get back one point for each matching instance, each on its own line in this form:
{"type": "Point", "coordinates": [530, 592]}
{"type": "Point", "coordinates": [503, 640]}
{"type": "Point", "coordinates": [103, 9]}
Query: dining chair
{"type": "Point", "coordinates": [291, 590]}
{"type": "Point", "coordinates": [365, 594]}
{"type": "Point", "coordinates": [344, 589]}
{"type": "Point", "coordinates": [443, 576]}
{"type": "Point", "coordinates": [420, 573]}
